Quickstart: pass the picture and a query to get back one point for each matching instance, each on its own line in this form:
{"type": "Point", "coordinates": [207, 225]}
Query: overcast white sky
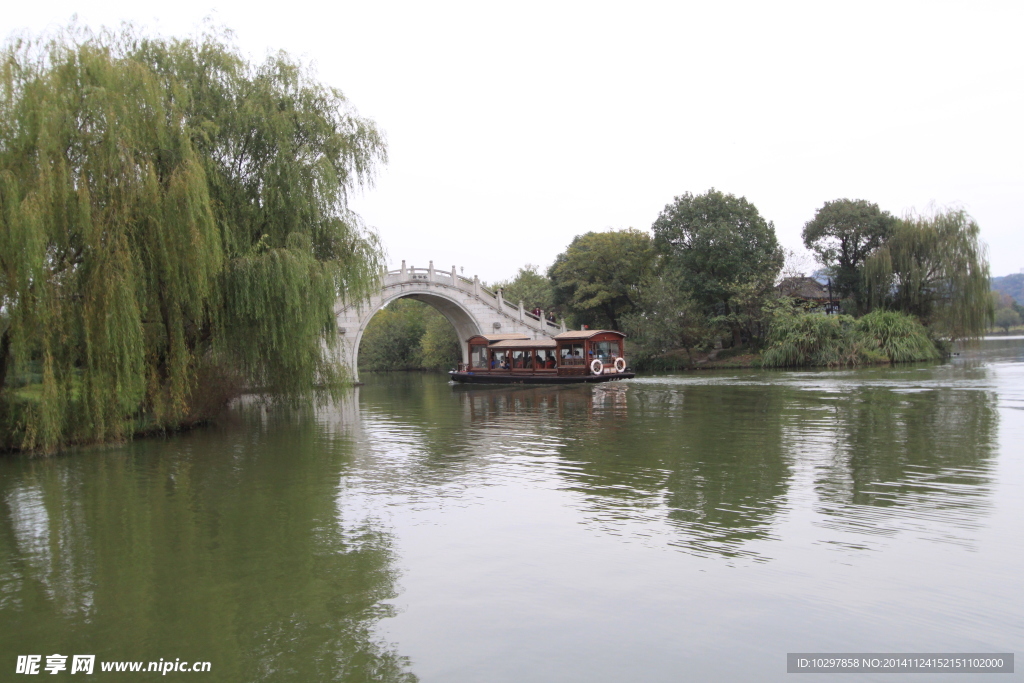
{"type": "Point", "coordinates": [514, 127]}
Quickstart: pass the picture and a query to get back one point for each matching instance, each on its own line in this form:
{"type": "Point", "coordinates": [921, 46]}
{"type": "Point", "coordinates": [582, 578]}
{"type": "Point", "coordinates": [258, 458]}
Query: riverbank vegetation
{"type": "Point", "coordinates": [705, 289]}
{"type": "Point", "coordinates": [806, 339]}
{"type": "Point", "coordinates": [173, 227]}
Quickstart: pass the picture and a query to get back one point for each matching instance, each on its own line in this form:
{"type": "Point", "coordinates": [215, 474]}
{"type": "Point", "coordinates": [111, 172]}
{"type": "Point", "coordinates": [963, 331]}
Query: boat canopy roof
{"type": "Point", "coordinates": [523, 344]}
{"type": "Point", "coordinates": [585, 334]}
{"type": "Point", "coordinates": [491, 338]}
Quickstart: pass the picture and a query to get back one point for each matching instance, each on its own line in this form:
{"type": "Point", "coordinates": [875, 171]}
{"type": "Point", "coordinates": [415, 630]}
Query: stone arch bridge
{"type": "Point", "coordinates": [469, 307]}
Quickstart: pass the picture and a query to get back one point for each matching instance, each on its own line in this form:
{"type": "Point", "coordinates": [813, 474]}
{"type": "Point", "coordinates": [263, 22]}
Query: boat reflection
{"type": "Point", "coordinates": [551, 402]}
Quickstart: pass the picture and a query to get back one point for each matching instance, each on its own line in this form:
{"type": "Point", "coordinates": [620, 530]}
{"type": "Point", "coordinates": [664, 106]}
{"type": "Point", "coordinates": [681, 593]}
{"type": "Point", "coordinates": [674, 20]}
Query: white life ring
{"type": "Point", "coordinates": [596, 366]}
{"type": "Point", "coordinates": [620, 364]}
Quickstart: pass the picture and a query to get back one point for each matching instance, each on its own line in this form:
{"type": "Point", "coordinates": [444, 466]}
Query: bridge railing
{"type": "Point", "coordinates": [434, 275]}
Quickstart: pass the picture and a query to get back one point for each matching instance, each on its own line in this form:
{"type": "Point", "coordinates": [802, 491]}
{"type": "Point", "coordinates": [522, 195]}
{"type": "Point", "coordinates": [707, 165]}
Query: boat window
{"type": "Point", "coordinates": [572, 354]}
{"type": "Point", "coordinates": [545, 359]}
{"type": "Point", "coordinates": [499, 360]}
{"type": "Point", "coordinates": [606, 351]}
{"type": "Point", "coordinates": [519, 359]}
{"type": "Point", "coordinates": [478, 356]}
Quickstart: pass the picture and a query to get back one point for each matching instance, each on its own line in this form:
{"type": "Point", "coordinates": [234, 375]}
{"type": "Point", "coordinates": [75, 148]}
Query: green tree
{"type": "Point", "coordinates": [935, 268]}
{"type": "Point", "coordinates": [597, 278]}
{"type": "Point", "coordinates": [528, 286]}
{"type": "Point", "coordinates": [166, 208]}
{"type": "Point", "coordinates": [392, 338]}
{"type": "Point", "coordinates": [409, 335]}
{"type": "Point", "coordinates": [842, 235]}
{"type": "Point", "coordinates": [439, 347]}
{"type": "Point", "coordinates": [1006, 318]}
{"type": "Point", "coordinates": [666, 319]}
{"type": "Point", "coordinates": [721, 251]}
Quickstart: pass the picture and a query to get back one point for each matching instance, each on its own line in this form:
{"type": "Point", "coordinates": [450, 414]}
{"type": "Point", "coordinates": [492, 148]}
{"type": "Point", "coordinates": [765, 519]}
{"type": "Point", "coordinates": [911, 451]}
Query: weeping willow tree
{"type": "Point", "coordinates": [935, 268]}
{"type": "Point", "coordinates": [173, 219]}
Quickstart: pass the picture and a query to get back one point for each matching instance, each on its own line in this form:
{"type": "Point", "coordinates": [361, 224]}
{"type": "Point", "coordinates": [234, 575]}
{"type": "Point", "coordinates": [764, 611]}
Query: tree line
{"type": "Point", "coordinates": [707, 271]}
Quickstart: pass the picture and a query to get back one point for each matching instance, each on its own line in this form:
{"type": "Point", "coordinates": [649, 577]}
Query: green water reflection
{"type": "Point", "coordinates": [716, 459]}
{"type": "Point", "coordinates": [926, 453]}
{"type": "Point", "coordinates": [221, 546]}
{"type": "Point", "coordinates": [289, 546]}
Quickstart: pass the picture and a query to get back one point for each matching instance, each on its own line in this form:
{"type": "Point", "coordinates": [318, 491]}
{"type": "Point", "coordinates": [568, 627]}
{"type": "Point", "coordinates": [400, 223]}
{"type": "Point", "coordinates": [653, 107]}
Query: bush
{"type": "Point", "coordinates": [812, 339]}
{"type": "Point", "coordinates": [902, 338]}
{"type": "Point", "coordinates": [798, 339]}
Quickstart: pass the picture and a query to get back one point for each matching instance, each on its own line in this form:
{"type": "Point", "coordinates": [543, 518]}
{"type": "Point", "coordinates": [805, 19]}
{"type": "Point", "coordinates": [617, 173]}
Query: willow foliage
{"type": "Point", "coordinates": [169, 213]}
{"type": "Point", "coordinates": [935, 268]}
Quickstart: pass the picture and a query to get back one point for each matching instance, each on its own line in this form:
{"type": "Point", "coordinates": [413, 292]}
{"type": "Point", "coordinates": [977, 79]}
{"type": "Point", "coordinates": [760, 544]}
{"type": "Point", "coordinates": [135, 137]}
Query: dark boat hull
{"type": "Point", "coordinates": [488, 378]}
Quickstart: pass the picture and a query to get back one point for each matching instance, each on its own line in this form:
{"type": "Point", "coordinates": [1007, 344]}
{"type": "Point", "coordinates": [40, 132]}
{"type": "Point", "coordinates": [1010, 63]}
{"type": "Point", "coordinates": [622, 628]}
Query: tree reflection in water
{"type": "Point", "coordinates": [909, 459]}
{"type": "Point", "coordinates": [220, 547]}
{"type": "Point", "coordinates": [714, 460]}
{"type": "Point", "coordinates": [640, 453]}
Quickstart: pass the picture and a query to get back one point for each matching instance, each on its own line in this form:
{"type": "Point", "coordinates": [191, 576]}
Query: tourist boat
{"type": "Point", "coordinates": [575, 356]}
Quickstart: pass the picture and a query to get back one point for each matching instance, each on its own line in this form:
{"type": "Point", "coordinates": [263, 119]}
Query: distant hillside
{"type": "Point", "coordinates": [1012, 285]}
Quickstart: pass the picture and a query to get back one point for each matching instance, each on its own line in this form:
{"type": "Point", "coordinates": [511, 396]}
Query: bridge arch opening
{"type": "Point", "coordinates": [461, 320]}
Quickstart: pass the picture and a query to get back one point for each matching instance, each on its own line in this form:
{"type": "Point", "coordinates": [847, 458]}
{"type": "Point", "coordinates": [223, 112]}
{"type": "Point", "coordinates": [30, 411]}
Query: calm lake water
{"type": "Point", "coordinates": [672, 528]}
